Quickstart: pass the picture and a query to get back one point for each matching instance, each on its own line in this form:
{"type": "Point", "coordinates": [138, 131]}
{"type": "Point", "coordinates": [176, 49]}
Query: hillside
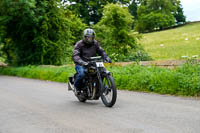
{"type": "Point", "coordinates": [174, 43]}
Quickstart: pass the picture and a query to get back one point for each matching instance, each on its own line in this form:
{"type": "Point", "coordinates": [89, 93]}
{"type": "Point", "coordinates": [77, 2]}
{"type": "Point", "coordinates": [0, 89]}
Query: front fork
{"type": "Point", "coordinates": [100, 79]}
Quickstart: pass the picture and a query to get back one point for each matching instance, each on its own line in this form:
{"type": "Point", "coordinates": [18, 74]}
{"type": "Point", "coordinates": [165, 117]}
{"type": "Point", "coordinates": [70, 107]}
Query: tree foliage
{"type": "Point", "coordinates": [44, 31]}
{"type": "Point", "coordinates": [37, 31]}
{"type": "Point", "coordinates": [157, 14]}
{"type": "Point", "coordinates": [114, 32]}
{"type": "Point", "coordinates": [179, 15]}
{"type": "Point", "coordinates": [133, 6]}
{"type": "Point", "coordinates": [2, 32]}
{"type": "Point", "coordinates": [90, 11]}
{"type": "Point", "coordinates": [154, 21]}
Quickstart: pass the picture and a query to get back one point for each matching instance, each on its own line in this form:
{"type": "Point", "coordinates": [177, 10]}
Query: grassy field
{"type": "Point", "coordinates": [173, 43]}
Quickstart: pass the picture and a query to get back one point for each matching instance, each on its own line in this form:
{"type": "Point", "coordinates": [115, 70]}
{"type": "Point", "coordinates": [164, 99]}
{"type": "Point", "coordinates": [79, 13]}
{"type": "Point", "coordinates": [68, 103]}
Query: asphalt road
{"type": "Point", "coordinates": [34, 106]}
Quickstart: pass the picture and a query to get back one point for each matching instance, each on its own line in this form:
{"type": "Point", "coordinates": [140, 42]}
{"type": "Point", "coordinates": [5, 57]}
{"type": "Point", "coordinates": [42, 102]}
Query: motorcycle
{"type": "Point", "coordinates": [98, 82]}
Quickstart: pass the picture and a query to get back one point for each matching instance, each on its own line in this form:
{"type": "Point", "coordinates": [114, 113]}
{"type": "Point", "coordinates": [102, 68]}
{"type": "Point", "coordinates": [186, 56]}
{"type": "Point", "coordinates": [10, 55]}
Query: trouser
{"type": "Point", "coordinates": [78, 81]}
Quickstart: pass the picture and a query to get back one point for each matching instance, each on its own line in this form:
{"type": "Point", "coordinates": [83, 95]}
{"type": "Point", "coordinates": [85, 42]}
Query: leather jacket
{"type": "Point", "coordinates": [83, 51]}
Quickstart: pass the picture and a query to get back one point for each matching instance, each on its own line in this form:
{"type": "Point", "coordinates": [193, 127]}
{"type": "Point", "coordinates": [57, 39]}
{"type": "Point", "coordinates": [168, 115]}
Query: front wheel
{"type": "Point", "coordinates": [109, 92]}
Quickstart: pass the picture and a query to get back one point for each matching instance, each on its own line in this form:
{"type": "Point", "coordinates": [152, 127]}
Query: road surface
{"type": "Point", "coordinates": [34, 106]}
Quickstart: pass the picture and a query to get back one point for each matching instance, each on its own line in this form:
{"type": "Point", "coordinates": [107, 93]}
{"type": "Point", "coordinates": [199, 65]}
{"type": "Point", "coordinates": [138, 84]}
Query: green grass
{"type": "Point", "coordinates": [51, 73]}
{"type": "Point", "coordinates": [174, 41]}
{"type": "Point", "coordinates": [181, 81]}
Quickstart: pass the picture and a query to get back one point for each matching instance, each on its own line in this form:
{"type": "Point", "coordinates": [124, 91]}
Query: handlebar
{"type": "Point", "coordinates": [95, 59]}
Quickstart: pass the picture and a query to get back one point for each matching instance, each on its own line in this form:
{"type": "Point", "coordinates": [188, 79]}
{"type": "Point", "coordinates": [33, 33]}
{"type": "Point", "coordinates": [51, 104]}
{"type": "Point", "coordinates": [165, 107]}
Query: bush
{"type": "Point", "coordinates": [116, 36]}
{"type": "Point", "coordinates": [139, 55]}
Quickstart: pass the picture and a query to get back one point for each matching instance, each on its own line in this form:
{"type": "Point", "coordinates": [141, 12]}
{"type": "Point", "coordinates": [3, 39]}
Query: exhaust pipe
{"type": "Point", "coordinates": [70, 84]}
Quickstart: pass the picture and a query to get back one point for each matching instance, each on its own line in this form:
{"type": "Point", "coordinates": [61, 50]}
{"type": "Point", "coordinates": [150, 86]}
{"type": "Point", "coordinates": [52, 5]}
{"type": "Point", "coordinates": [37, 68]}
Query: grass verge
{"type": "Point", "coordinates": [182, 81]}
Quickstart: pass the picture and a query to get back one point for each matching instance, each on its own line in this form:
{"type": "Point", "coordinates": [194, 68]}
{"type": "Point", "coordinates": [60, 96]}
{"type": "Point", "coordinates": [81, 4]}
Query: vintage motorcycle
{"type": "Point", "coordinates": [98, 82]}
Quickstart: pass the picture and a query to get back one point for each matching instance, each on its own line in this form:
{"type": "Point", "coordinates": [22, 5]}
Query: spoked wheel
{"type": "Point", "coordinates": [109, 93]}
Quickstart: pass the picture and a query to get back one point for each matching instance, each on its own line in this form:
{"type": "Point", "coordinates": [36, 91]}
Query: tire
{"type": "Point", "coordinates": [109, 88]}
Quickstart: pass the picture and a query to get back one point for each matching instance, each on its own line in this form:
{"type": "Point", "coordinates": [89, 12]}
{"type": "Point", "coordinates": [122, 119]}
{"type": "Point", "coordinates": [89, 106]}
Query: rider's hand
{"type": "Point", "coordinates": [107, 59]}
{"type": "Point", "coordinates": [85, 63]}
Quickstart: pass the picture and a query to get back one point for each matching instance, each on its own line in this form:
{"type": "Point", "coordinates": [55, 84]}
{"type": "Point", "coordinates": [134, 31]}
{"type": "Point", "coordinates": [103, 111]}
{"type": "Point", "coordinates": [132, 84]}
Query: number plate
{"type": "Point", "coordinates": [99, 64]}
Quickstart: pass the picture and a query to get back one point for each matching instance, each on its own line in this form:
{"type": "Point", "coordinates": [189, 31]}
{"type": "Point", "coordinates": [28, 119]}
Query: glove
{"type": "Point", "coordinates": [83, 63]}
{"type": "Point", "coordinates": [107, 59]}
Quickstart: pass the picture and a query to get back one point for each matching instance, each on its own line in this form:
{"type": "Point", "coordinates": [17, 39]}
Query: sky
{"type": "Point", "coordinates": [191, 9]}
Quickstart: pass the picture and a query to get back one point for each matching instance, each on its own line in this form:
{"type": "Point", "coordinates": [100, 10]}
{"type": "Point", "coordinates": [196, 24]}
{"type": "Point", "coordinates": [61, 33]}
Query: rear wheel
{"type": "Point", "coordinates": [109, 93]}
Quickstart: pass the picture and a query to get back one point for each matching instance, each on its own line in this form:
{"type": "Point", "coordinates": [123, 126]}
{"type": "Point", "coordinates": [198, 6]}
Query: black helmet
{"type": "Point", "coordinates": [88, 36]}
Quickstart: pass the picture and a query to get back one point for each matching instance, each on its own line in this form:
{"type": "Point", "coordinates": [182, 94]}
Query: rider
{"type": "Point", "coordinates": [85, 48]}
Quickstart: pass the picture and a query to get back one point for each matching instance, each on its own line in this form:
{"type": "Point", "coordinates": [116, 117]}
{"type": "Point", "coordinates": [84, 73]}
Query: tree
{"type": "Point", "coordinates": [133, 6]}
{"type": "Point", "coordinates": [90, 11]}
{"type": "Point", "coordinates": [179, 16]}
{"type": "Point", "coordinates": [37, 31]}
{"type": "Point", "coordinates": [2, 32]}
{"type": "Point", "coordinates": [155, 14]}
{"type": "Point", "coordinates": [114, 32]}
{"type": "Point", "coordinates": [76, 27]}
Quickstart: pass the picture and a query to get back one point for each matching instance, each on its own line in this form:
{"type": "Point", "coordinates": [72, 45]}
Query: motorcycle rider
{"type": "Point", "coordinates": [85, 48]}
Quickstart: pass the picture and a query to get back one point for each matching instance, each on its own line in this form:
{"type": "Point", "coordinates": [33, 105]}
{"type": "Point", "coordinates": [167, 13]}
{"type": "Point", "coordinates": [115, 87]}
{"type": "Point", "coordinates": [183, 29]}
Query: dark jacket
{"type": "Point", "coordinates": [82, 52]}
